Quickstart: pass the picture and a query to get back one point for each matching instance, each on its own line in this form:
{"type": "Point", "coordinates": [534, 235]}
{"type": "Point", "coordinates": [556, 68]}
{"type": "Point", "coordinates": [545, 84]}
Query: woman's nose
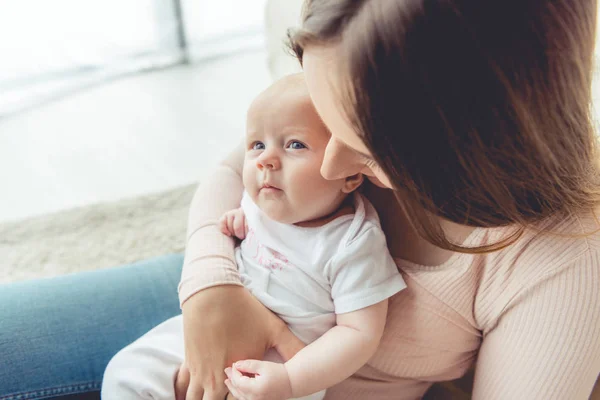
{"type": "Point", "coordinates": [339, 161]}
{"type": "Point", "coordinates": [268, 160]}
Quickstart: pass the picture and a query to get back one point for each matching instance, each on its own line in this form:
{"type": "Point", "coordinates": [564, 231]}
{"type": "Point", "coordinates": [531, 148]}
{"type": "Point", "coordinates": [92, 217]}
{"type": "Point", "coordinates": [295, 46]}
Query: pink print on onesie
{"type": "Point", "coordinates": [264, 256]}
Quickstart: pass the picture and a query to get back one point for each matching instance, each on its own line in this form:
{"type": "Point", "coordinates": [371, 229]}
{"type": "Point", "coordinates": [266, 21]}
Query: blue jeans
{"type": "Point", "coordinates": [57, 335]}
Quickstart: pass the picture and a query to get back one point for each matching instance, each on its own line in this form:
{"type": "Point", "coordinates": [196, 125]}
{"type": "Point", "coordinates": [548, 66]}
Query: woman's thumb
{"type": "Point", "coordinates": [287, 344]}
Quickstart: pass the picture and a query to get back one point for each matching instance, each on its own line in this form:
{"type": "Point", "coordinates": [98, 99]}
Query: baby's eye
{"type": "Point", "coordinates": [295, 145]}
{"type": "Point", "coordinates": [258, 146]}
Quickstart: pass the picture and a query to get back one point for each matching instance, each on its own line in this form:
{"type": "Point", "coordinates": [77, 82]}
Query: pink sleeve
{"type": "Point", "coordinates": [209, 255]}
{"type": "Point", "coordinates": [546, 344]}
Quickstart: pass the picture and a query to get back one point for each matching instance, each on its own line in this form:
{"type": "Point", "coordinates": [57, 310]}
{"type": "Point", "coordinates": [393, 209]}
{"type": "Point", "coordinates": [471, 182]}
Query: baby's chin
{"type": "Point", "coordinates": [278, 214]}
{"type": "Point", "coordinates": [273, 208]}
{"type": "Point", "coordinates": [285, 215]}
{"type": "Point", "coordinates": [277, 211]}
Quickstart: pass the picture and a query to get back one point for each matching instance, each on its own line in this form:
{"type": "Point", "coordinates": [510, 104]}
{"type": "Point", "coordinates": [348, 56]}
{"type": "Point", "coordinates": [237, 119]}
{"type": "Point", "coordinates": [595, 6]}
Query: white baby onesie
{"type": "Point", "coordinates": [308, 275]}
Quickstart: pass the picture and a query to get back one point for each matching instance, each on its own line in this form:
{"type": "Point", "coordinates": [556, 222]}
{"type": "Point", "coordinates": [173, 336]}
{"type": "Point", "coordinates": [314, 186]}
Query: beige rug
{"type": "Point", "coordinates": [97, 236]}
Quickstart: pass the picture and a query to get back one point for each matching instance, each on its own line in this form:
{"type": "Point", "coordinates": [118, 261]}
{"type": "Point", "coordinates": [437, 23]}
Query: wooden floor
{"type": "Point", "coordinates": [132, 136]}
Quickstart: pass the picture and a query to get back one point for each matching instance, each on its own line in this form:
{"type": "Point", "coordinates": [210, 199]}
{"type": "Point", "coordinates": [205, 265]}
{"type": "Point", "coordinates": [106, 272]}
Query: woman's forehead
{"type": "Point", "coordinates": [324, 83]}
{"type": "Point", "coordinates": [320, 83]}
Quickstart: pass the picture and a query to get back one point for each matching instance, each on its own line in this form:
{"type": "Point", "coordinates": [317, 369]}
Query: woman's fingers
{"type": "Point", "coordinates": [233, 391]}
{"type": "Point", "coordinates": [219, 394]}
{"type": "Point", "coordinates": [213, 389]}
{"type": "Point", "coordinates": [182, 382]}
{"type": "Point", "coordinates": [194, 392]}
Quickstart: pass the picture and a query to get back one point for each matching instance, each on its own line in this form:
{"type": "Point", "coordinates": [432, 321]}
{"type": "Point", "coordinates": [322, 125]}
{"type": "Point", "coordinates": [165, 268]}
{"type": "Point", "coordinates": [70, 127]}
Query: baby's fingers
{"type": "Point", "coordinates": [242, 383]}
{"type": "Point", "coordinates": [239, 225]}
{"type": "Point", "coordinates": [223, 225]}
{"type": "Point", "coordinates": [231, 223]}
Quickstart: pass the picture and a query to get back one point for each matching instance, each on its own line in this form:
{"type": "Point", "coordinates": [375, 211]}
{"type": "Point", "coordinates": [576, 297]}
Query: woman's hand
{"type": "Point", "coordinates": [222, 325]}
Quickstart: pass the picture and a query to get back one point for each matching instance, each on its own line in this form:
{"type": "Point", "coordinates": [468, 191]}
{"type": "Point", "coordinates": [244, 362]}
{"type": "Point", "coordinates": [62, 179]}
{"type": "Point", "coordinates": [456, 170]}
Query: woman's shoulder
{"type": "Point", "coordinates": [554, 242]}
{"type": "Point", "coordinates": [569, 236]}
{"type": "Point", "coordinates": [553, 260]}
{"type": "Point", "coordinates": [557, 253]}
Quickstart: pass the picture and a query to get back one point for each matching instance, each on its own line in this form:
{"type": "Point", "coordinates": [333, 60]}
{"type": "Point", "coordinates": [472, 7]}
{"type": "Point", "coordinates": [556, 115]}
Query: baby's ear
{"type": "Point", "coordinates": [352, 183]}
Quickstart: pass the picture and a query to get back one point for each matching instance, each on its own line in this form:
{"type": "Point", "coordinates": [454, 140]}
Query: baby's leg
{"type": "Point", "coordinates": [146, 369]}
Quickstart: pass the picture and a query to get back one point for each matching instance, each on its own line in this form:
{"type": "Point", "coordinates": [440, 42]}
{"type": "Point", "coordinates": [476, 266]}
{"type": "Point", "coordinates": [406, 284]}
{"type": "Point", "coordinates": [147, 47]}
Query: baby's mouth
{"type": "Point", "coordinates": [269, 186]}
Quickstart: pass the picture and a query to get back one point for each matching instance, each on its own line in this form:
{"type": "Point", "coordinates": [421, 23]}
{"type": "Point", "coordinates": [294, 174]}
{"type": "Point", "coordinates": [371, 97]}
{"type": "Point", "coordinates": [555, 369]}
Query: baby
{"type": "Point", "coordinates": [312, 251]}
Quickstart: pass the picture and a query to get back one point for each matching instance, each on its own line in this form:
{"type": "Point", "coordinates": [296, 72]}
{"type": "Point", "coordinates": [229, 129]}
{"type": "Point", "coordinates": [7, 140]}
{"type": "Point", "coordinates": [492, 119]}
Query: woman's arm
{"type": "Point", "coordinates": [547, 344]}
{"type": "Point", "coordinates": [214, 303]}
{"type": "Point", "coordinates": [209, 254]}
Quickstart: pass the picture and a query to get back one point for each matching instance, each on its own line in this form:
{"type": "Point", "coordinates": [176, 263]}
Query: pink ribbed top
{"type": "Point", "coordinates": [528, 315]}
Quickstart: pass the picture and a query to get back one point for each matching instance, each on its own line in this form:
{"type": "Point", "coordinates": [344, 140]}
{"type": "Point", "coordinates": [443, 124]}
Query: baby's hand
{"type": "Point", "coordinates": [233, 223]}
{"type": "Point", "coordinates": [258, 380]}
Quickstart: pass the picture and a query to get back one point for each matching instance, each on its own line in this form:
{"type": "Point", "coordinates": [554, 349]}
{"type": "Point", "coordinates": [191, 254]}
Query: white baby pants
{"type": "Point", "coordinates": [146, 369]}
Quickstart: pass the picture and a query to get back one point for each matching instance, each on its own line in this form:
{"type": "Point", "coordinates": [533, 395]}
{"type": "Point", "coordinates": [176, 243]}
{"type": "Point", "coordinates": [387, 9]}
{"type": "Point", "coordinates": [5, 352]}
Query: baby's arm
{"type": "Point", "coordinates": [340, 352]}
{"type": "Point", "coordinates": [333, 357]}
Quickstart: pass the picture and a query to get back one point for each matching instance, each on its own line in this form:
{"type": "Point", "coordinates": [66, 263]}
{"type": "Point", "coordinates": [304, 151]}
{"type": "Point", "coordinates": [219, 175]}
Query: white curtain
{"type": "Point", "coordinates": [49, 48]}
{"type": "Point", "coordinates": [224, 26]}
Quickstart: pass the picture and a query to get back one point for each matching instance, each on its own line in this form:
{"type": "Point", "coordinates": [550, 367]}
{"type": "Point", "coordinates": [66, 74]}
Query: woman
{"type": "Point", "coordinates": [472, 121]}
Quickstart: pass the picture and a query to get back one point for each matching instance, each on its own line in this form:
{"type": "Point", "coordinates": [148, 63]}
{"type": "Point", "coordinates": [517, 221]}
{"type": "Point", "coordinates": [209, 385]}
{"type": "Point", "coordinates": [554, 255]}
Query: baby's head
{"type": "Point", "coordinates": [285, 145]}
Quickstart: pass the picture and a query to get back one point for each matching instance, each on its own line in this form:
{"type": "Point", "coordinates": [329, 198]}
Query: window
{"type": "Point", "coordinates": [51, 48]}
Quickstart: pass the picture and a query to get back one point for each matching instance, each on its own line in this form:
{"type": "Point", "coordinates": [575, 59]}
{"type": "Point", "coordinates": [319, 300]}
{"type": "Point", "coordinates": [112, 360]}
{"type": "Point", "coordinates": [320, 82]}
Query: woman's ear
{"type": "Point", "coordinates": [352, 183]}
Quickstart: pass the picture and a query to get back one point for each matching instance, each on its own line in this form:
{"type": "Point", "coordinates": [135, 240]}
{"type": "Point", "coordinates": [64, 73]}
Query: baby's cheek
{"type": "Point", "coordinates": [248, 178]}
{"type": "Point", "coordinates": [316, 191]}
{"type": "Point", "coordinates": [309, 179]}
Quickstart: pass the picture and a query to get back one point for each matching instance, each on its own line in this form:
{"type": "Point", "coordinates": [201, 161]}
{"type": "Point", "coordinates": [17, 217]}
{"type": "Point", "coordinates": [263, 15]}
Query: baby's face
{"type": "Point", "coordinates": [285, 145]}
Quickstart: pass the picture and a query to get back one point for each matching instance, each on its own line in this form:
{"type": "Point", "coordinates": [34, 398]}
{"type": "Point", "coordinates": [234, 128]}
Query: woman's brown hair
{"type": "Point", "coordinates": [478, 111]}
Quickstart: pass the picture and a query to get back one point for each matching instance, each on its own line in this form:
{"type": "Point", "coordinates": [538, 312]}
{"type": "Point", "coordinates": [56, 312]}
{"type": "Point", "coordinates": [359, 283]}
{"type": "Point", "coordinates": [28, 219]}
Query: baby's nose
{"type": "Point", "coordinates": [268, 160]}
